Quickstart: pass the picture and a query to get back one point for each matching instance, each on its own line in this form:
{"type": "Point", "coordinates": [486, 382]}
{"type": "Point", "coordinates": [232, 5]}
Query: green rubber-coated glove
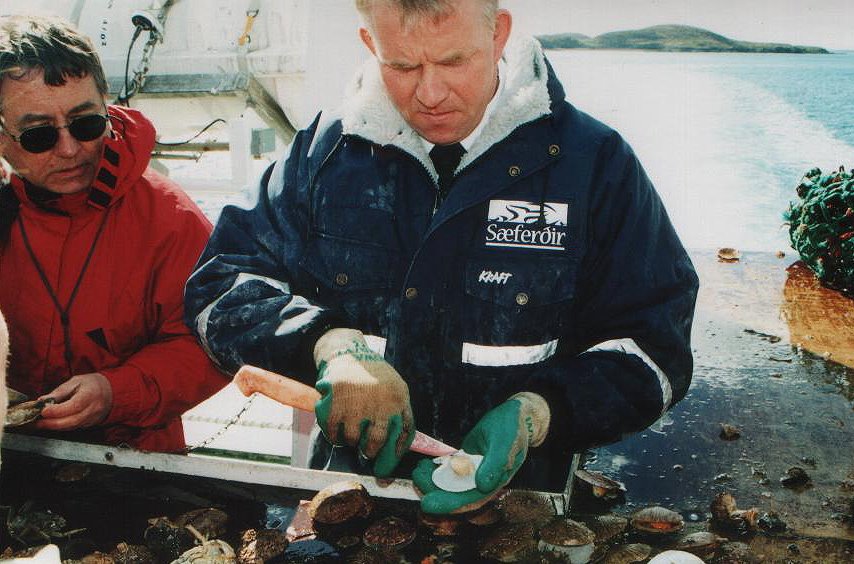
{"type": "Point", "coordinates": [503, 437]}
{"type": "Point", "coordinates": [364, 402]}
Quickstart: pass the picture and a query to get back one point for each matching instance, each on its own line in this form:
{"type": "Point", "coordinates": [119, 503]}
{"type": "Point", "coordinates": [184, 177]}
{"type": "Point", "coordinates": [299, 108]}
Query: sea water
{"type": "Point", "coordinates": [725, 137]}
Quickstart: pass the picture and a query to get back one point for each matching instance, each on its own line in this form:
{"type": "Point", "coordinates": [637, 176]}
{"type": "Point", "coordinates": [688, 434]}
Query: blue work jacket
{"type": "Point", "coordinates": [551, 267]}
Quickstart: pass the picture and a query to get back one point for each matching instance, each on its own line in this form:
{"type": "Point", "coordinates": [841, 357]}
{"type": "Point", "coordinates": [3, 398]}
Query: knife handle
{"type": "Point", "coordinates": [250, 379]}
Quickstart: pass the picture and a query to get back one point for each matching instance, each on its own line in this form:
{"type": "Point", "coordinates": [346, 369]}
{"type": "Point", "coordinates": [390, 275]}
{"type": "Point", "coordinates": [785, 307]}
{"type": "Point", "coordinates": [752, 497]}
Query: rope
{"type": "Point", "coordinates": [64, 312]}
{"type": "Point", "coordinates": [821, 227]}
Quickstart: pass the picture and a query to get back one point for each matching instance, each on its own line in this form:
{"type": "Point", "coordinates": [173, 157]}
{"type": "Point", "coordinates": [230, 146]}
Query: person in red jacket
{"type": "Point", "coordinates": [95, 248]}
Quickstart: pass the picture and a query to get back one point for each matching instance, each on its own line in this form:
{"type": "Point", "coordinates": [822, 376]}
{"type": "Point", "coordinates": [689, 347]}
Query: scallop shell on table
{"type": "Point", "coordinates": [165, 539]}
{"type": "Point", "coordinates": [722, 506]}
{"type": "Point", "coordinates": [522, 506]}
{"type": "Point", "coordinates": [572, 540]}
{"type": "Point", "coordinates": [210, 522]}
{"type": "Point", "coordinates": [566, 532]}
{"type": "Point", "coordinates": [340, 502]}
{"type": "Point", "coordinates": [484, 516]}
{"type": "Point", "coordinates": [389, 532]}
{"type": "Point", "coordinates": [606, 527]}
{"type": "Point", "coordinates": [96, 557]}
{"type": "Point", "coordinates": [656, 519]}
{"type": "Point", "coordinates": [456, 471]}
{"type": "Point", "coordinates": [366, 555]}
{"type": "Point", "coordinates": [602, 486]}
{"type": "Point", "coordinates": [702, 543]}
{"type": "Point", "coordinates": [728, 254]}
{"type": "Point", "coordinates": [132, 553]}
{"type": "Point", "coordinates": [745, 519]}
{"type": "Point", "coordinates": [72, 472]}
{"type": "Point", "coordinates": [262, 545]}
{"type": "Point", "coordinates": [510, 543]}
{"type": "Point", "coordinates": [795, 477]}
{"type": "Point", "coordinates": [441, 525]}
{"type": "Point", "coordinates": [627, 554]}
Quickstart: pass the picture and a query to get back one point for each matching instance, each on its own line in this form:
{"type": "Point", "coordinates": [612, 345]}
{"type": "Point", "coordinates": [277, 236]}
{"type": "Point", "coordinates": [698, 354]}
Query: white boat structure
{"type": "Point", "coordinates": [257, 69]}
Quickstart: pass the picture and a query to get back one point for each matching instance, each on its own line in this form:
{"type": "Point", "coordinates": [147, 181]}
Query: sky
{"type": "Point", "coordinates": [822, 23]}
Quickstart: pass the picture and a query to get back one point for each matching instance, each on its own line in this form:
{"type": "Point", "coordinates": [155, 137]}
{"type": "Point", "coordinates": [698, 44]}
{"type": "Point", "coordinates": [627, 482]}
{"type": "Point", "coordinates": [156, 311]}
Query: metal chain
{"type": "Point", "coordinates": [219, 432]}
{"type": "Point", "coordinates": [141, 70]}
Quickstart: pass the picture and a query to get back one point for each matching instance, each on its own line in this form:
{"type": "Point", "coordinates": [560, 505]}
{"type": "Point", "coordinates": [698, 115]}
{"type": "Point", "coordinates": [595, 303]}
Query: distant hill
{"type": "Point", "coordinates": [668, 38]}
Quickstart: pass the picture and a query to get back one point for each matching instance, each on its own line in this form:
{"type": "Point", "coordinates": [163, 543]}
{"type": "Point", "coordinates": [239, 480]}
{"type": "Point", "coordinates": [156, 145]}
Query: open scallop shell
{"type": "Point", "coordinates": [456, 471]}
{"type": "Point", "coordinates": [601, 485]}
{"type": "Point", "coordinates": [15, 396]}
{"type": "Point", "coordinates": [26, 412]}
{"type": "Point", "coordinates": [657, 520]}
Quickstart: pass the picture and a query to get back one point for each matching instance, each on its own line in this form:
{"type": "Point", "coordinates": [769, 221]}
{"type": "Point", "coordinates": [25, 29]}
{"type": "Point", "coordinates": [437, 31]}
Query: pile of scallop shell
{"type": "Point", "coordinates": [517, 526]}
{"type": "Point", "coordinates": [521, 526]}
{"type": "Point", "coordinates": [193, 536]}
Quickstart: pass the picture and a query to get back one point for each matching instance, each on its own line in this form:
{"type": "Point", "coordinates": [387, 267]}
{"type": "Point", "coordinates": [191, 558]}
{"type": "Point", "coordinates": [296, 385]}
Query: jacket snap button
{"type": "Point", "coordinates": [554, 150]}
{"type": "Point", "coordinates": [514, 171]}
{"type": "Point", "coordinates": [341, 279]}
{"type": "Point", "coordinates": [411, 293]}
{"type": "Point", "coordinates": [521, 298]}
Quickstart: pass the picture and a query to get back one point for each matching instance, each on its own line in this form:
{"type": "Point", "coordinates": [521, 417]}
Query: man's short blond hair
{"type": "Point", "coordinates": [416, 10]}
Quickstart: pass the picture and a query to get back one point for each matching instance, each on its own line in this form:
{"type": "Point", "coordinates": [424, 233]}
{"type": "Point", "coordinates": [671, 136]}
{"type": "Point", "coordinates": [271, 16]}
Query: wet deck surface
{"type": "Point", "coordinates": [773, 351]}
{"type": "Point", "coordinates": [772, 357]}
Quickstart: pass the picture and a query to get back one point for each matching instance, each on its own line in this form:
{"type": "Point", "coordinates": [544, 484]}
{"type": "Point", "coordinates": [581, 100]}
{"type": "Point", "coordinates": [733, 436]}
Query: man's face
{"type": "Point", "coordinates": [27, 102]}
{"type": "Point", "coordinates": [440, 74]}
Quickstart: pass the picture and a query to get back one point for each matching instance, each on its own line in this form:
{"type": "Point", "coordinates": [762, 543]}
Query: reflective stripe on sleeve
{"type": "Point", "coordinates": [629, 346]}
{"type": "Point", "coordinates": [484, 355]}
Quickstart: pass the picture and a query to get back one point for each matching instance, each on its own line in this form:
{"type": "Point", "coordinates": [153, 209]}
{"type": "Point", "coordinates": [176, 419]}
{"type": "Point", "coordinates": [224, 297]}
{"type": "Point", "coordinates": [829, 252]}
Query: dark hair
{"type": "Point", "coordinates": [50, 44]}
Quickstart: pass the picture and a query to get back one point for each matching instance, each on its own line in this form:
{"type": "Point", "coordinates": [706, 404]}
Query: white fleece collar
{"type": "Point", "coordinates": [369, 112]}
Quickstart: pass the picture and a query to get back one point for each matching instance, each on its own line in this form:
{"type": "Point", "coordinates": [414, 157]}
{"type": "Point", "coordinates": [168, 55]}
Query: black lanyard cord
{"type": "Point", "coordinates": [63, 311]}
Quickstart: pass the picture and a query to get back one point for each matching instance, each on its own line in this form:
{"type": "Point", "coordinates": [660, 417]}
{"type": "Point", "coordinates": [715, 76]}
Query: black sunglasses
{"type": "Point", "coordinates": [44, 137]}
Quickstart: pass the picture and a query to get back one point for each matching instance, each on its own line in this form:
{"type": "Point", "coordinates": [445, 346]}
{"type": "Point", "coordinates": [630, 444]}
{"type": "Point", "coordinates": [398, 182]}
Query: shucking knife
{"type": "Point", "coordinates": [250, 379]}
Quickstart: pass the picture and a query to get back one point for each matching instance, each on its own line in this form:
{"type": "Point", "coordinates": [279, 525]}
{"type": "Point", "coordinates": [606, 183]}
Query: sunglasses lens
{"type": "Point", "coordinates": [39, 139]}
{"type": "Point", "coordinates": [87, 128]}
{"type": "Point", "coordinates": [43, 138]}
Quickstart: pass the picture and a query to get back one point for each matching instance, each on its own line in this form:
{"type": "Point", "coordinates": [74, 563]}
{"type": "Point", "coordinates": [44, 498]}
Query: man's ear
{"type": "Point", "coordinates": [368, 40]}
{"type": "Point", "coordinates": [503, 25]}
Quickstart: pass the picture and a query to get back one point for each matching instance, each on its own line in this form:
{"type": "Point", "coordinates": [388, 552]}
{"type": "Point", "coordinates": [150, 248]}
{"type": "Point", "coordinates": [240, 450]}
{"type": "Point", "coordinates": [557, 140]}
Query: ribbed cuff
{"type": "Point", "coordinates": [538, 409]}
{"type": "Point", "coordinates": [126, 383]}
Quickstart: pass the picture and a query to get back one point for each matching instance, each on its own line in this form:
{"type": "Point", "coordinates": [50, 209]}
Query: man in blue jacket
{"type": "Point", "coordinates": [456, 249]}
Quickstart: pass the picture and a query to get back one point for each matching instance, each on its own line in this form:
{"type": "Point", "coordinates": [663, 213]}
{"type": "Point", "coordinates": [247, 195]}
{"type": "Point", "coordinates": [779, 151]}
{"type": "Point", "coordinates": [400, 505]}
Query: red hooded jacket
{"type": "Point", "coordinates": [126, 320]}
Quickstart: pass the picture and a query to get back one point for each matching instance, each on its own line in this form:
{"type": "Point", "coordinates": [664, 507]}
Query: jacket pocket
{"type": "Point", "coordinates": [516, 309]}
{"type": "Point", "coordinates": [355, 277]}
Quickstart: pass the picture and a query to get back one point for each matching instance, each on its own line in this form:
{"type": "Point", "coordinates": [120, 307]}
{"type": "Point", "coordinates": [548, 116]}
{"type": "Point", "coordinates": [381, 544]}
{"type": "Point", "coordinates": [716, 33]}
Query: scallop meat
{"type": "Point", "coordinates": [656, 519]}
